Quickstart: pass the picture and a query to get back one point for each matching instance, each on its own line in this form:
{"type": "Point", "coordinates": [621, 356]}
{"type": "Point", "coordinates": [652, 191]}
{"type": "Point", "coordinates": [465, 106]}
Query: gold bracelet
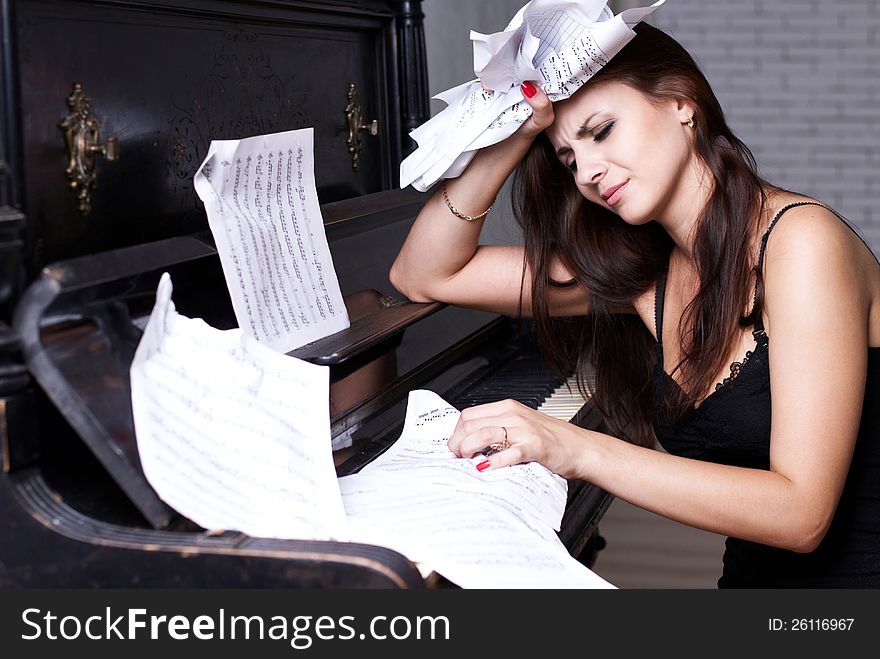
{"type": "Point", "coordinates": [455, 211]}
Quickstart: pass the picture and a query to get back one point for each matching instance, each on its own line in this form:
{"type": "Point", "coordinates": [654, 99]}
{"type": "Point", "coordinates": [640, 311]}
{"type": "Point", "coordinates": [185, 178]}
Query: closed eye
{"type": "Point", "coordinates": [598, 135]}
{"type": "Point", "coordinates": [603, 132]}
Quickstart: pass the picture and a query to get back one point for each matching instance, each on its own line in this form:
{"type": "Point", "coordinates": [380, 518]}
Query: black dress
{"type": "Point", "coordinates": [732, 426]}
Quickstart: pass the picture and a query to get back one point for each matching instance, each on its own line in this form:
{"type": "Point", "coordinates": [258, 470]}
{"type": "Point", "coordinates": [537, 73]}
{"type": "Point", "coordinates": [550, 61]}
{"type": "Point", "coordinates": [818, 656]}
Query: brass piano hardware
{"type": "Point", "coordinates": [354, 115]}
{"type": "Point", "coordinates": [82, 134]}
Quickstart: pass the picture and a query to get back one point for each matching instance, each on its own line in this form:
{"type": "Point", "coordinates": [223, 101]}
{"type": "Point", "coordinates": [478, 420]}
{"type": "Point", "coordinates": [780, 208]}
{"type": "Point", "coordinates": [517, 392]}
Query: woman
{"type": "Point", "coordinates": [694, 289]}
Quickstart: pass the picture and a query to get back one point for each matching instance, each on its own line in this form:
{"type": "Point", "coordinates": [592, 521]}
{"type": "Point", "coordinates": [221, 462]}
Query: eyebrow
{"type": "Point", "coordinates": [579, 135]}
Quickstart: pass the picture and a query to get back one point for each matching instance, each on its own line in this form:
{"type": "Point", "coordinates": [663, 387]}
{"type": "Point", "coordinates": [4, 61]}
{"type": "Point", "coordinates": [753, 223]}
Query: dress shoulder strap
{"type": "Point", "coordinates": [659, 297]}
{"type": "Point", "coordinates": [759, 321]}
{"type": "Point", "coordinates": [807, 203]}
{"type": "Point", "coordinates": [776, 219]}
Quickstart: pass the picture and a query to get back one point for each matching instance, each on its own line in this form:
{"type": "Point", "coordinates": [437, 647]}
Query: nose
{"type": "Point", "coordinates": [591, 171]}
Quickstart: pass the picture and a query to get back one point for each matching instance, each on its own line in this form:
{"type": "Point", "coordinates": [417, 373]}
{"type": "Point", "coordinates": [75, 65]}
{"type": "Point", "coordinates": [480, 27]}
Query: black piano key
{"type": "Point", "coordinates": [534, 403]}
{"type": "Point", "coordinates": [509, 391]}
{"type": "Point", "coordinates": [528, 380]}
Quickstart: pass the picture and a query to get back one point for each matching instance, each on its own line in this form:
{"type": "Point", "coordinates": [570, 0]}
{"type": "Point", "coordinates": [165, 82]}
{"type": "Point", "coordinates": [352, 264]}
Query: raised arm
{"type": "Point", "coordinates": [441, 259]}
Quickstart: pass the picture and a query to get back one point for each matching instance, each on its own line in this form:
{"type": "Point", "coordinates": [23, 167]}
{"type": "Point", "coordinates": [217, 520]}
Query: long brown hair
{"type": "Point", "coordinates": [616, 262]}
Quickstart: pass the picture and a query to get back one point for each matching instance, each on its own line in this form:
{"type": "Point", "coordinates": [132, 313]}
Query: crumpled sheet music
{"type": "Point", "coordinates": [493, 529]}
{"type": "Point", "coordinates": [421, 452]}
{"type": "Point", "coordinates": [558, 44]}
{"type": "Point", "coordinates": [230, 433]}
{"type": "Point", "coordinates": [262, 205]}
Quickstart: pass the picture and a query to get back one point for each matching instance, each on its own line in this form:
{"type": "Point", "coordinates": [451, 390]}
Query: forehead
{"type": "Point", "coordinates": [606, 97]}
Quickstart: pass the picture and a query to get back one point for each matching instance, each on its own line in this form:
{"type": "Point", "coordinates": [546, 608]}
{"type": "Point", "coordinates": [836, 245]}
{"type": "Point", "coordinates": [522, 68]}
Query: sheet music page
{"type": "Point", "coordinates": [421, 452]}
{"type": "Point", "coordinates": [472, 542]}
{"type": "Point", "coordinates": [557, 44]}
{"type": "Point", "coordinates": [230, 433]}
{"type": "Point", "coordinates": [437, 509]}
{"type": "Point", "coordinates": [262, 206]}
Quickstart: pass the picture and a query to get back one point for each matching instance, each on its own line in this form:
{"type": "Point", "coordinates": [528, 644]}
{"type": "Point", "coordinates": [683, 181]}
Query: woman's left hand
{"type": "Point", "coordinates": [532, 435]}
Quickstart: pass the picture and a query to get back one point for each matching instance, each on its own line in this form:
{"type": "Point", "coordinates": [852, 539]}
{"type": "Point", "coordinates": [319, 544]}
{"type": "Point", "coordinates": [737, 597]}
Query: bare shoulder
{"type": "Point", "coordinates": [814, 259]}
{"type": "Point", "coordinates": [812, 236]}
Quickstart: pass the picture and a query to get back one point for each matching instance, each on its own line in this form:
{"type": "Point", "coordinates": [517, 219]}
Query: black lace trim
{"type": "Point", "coordinates": [736, 367]}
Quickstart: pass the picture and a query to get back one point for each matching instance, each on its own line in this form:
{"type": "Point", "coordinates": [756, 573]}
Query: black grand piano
{"type": "Point", "coordinates": [107, 110]}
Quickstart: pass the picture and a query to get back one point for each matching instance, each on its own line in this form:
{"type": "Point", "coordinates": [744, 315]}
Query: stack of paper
{"type": "Point", "coordinates": [236, 436]}
{"type": "Point", "coordinates": [558, 44]}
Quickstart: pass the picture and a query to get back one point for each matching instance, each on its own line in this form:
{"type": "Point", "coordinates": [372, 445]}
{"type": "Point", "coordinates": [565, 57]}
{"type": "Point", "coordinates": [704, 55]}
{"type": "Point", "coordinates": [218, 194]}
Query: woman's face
{"type": "Point", "coordinates": [626, 153]}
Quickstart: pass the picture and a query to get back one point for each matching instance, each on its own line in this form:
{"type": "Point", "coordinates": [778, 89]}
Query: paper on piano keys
{"type": "Point", "coordinates": [262, 206]}
{"type": "Point", "coordinates": [494, 529]}
{"type": "Point", "coordinates": [421, 452]}
{"type": "Point", "coordinates": [559, 44]}
{"type": "Point", "coordinates": [470, 541]}
{"type": "Point", "coordinates": [230, 433]}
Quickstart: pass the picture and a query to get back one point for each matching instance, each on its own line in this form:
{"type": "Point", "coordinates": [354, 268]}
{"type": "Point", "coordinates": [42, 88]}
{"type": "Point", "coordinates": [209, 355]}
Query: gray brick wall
{"type": "Point", "coordinates": [800, 83]}
{"type": "Point", "coordinates": [451, 62]}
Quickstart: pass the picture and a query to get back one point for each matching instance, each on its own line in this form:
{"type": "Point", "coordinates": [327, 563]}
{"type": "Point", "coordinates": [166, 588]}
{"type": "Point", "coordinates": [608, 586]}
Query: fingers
{"type": "Point", "coordinates": [482, 423]}
{"type": "Point", "coordinates": [480, 426]}
{"type": "Point", "coordinates": [514, 452]}
{"type": "Point", "coordinates": [506, 458]}
{"type": "Point", "coordinates": [521, 434]}
{"type": "Point", "coordinates": [471, 437]}
{"type": "Point", "coordinates": [542, 108]}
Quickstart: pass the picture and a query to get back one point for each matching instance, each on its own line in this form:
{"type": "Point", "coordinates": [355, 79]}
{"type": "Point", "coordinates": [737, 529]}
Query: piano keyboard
{"type": "Point", "coordinates": [531, 382]}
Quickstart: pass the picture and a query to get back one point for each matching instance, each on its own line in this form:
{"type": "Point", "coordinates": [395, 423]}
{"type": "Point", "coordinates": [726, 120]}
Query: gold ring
{"type": "Point", "coordinates": [494, 447]}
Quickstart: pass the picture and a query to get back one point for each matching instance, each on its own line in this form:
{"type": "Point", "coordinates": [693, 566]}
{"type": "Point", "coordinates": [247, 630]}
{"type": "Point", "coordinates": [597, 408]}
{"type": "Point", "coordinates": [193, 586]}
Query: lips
{"type": "Point", "coordinates": [612, 195]}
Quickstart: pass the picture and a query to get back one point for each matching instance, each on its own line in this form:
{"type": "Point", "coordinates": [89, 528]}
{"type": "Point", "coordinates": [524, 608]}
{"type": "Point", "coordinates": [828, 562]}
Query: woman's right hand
{"type": "Point", "coordinates": [542, 110]}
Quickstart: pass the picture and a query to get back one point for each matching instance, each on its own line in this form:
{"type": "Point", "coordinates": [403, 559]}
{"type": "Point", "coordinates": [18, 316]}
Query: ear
{"type": "Point", "coordinates": [685, 109]}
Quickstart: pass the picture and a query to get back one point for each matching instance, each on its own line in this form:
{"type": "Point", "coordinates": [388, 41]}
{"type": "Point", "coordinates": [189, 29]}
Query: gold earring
{"type": "Point", "coordinates": [690, 123]}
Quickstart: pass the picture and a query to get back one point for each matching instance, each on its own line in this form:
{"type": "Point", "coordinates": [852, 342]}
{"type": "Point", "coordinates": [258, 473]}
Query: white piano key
{"type": "Point", "coordinates": [565, 401]}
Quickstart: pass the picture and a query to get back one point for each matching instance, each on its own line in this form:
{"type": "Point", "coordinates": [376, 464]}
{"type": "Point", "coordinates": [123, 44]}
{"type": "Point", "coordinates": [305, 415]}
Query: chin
{"type": "Point", "coordinates": [634, 218]}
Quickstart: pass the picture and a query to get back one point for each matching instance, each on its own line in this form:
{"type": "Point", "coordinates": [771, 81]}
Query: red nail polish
{"type": "Point", "coordinates": [483, 465]}
{"type": "Point", "coordinates": [528, 89]}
